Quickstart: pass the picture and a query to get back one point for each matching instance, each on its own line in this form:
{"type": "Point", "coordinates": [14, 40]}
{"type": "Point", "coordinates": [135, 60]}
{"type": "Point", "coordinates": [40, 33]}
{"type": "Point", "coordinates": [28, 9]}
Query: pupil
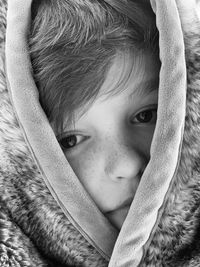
{"type": "Point", "coordinates": [69, 141]}
{"type": "Point", "coordinates": [145, 116]}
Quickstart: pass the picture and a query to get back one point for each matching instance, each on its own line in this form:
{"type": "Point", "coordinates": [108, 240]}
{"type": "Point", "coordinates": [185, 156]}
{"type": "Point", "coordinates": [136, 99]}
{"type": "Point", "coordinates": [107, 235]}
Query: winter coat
{"type": "Point", "coordinates": [46, 216]}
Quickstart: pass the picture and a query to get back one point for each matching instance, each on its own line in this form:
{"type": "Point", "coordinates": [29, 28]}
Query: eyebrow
{"type": "Point", "coordinates": [146, 87]}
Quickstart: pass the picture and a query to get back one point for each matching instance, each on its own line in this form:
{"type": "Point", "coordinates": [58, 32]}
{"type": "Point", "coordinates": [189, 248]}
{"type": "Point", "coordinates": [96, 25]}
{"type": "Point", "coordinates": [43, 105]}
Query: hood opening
{"type": "Point", "coordinates": [57, 173]}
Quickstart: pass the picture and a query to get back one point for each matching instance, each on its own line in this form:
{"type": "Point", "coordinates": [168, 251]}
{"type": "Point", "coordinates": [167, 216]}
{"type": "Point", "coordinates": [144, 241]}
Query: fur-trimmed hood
{"type": "Point", "coordinates": [41, 222]}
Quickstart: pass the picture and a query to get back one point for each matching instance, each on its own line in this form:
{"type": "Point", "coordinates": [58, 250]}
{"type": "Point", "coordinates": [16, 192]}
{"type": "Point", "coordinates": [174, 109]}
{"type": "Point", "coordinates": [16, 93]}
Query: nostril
{"type": "Point", "coordinates": [119, 178]}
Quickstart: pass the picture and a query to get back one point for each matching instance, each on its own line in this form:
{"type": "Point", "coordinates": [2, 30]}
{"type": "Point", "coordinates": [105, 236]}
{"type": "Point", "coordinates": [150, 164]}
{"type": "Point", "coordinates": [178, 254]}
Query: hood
{"type": "Point", "coordinates": [169, 153]}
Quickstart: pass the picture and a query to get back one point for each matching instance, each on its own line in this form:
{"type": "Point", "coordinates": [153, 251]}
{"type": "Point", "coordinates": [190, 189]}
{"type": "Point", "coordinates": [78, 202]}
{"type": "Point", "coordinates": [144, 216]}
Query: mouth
{"type": "Point", "coordinates": [124, 205]}
{"type": "Point", "coordinates": [118, 215]}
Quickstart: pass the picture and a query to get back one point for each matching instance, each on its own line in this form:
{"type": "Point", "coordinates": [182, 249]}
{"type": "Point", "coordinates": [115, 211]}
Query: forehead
{"type": "Point", "coordinates": [137, 72]}
{"type": "Point", "coordinates": [130, 73]}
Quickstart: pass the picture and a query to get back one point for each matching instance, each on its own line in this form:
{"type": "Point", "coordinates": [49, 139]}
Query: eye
{"type": "Point", "coordinates": [146, 116]}
{"type": "Point", "coordinates": [71, 141]}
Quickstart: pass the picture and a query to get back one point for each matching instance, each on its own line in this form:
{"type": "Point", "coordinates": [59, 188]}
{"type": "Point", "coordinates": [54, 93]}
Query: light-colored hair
{"type": "Point", "coordinates": [73, 44]}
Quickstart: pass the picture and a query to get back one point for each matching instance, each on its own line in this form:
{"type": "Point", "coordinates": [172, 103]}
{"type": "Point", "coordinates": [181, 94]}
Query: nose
{"type": "Point", "coordinates": [125, 162]}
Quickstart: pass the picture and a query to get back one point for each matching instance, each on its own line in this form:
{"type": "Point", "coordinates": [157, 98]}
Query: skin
{"type": "Point", "coordinates": [108, 146]}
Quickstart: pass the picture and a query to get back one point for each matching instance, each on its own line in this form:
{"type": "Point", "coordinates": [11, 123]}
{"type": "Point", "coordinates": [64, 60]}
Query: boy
{"type": "Point", "coordinates": [96, 66]}
{"type": "Point", "coordinates": [92, 61]}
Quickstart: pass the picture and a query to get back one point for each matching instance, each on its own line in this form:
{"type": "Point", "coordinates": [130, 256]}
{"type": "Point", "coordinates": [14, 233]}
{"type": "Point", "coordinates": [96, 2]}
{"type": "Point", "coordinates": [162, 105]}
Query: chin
{"type": "Point", "coordinates": [117, 217]}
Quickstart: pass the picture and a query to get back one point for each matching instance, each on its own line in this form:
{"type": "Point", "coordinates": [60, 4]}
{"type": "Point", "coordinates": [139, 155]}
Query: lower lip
{"type": "Point", "coordinates": [125, 208]}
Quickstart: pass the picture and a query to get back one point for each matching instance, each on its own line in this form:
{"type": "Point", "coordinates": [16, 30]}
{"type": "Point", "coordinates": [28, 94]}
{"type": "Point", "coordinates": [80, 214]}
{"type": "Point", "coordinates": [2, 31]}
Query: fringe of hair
{"type": "Point", "coordinates": [72, 46]}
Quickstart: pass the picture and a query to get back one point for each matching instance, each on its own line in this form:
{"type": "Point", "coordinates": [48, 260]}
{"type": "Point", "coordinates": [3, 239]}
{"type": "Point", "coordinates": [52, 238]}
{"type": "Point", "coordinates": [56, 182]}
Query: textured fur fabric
{"type": "Point", "coordinates": [35, 232]}
{"type": "Point", "coordinates": [176, 240]}
{"type": "Point", "coordinates": [33, 229]}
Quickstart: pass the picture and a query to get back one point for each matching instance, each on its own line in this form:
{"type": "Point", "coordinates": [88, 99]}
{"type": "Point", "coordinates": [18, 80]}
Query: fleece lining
{"type": "Point", "coordinates": [166, 143]}
{"type": "Point", "coordinates": [57, 173]}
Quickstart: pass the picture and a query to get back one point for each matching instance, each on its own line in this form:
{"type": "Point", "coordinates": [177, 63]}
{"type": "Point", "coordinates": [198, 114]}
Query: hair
{"type": "Point", "coordinates": [73, 44]}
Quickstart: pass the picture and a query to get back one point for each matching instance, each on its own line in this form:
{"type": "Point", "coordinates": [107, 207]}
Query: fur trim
{"type": "Point", "coordinates": [176, 240]}
{"type": "Point", "coordinates": [35, 232]}
{"type": "Point", "coordinates": [33, 229]}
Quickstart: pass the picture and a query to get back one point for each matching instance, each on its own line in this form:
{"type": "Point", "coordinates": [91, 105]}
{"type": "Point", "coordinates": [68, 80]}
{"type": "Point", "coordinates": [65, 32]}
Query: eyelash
{"type": "Point", "coordinates": [83, 138]}
{"type": "Point", "coordinates": [77, 142]}
{"type": "Point", "coordinates": [153, 109]}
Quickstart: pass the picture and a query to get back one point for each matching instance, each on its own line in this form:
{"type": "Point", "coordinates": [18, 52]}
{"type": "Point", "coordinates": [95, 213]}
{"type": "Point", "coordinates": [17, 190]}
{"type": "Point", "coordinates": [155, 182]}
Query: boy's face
{"type": "Point", "coordinates": [109, 146]}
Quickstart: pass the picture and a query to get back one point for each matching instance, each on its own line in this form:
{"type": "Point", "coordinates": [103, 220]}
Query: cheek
{"type": "Point", "coordinates": [84, 164]}
{"type": "Point", "coordinates": [143, 138]}
{"type": "Point", "coordinates": [88, 167]}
